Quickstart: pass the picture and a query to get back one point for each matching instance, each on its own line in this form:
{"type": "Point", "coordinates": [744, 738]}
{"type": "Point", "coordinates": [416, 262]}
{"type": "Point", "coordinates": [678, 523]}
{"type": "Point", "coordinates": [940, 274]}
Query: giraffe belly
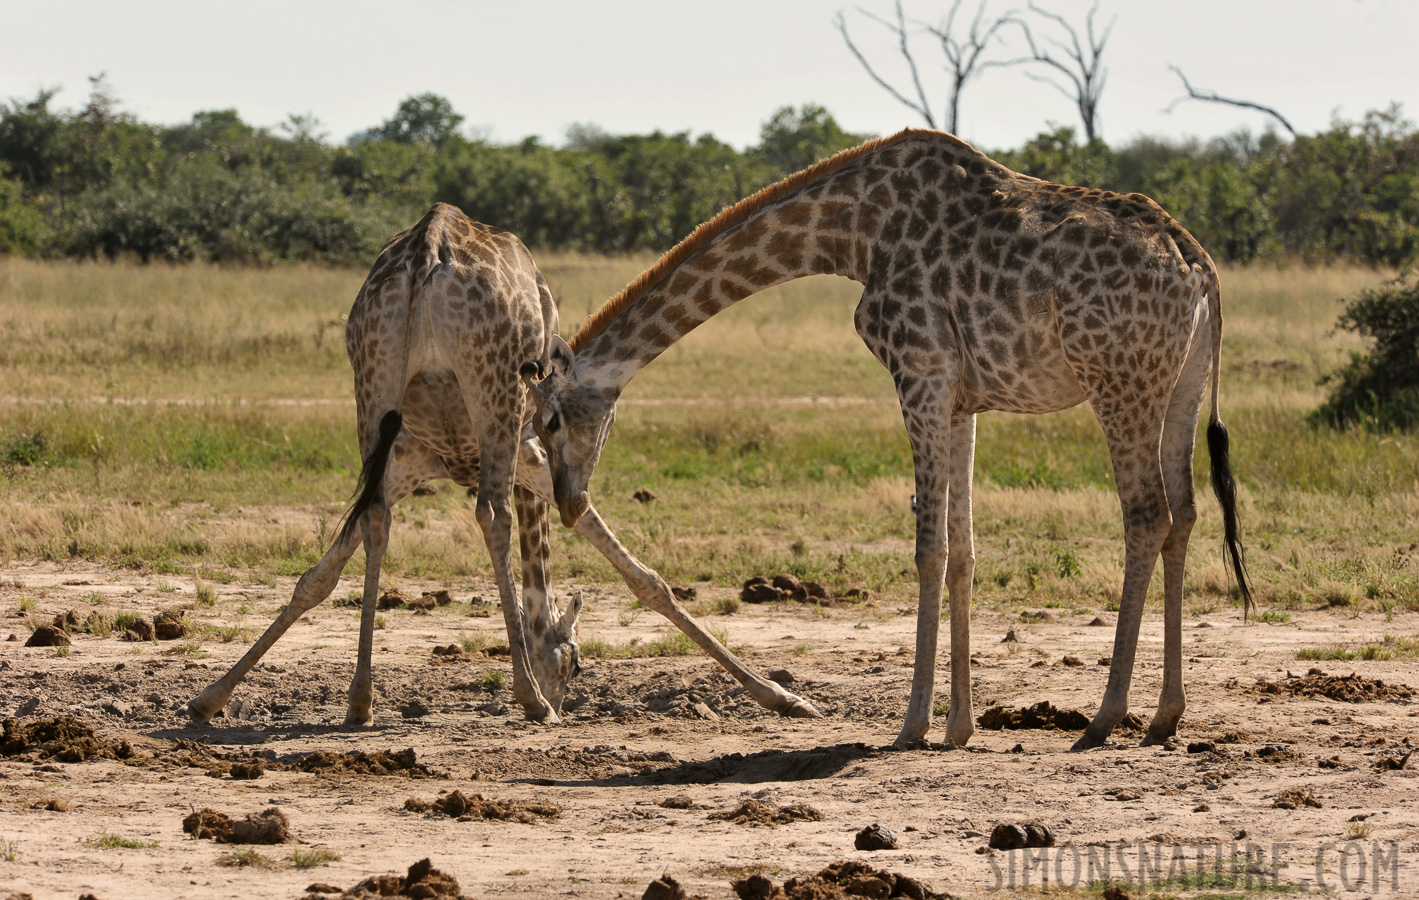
{"type": "Point", "coordinates": [436, 414]}
{"type": "Point", "coordinates": [1023, 372]}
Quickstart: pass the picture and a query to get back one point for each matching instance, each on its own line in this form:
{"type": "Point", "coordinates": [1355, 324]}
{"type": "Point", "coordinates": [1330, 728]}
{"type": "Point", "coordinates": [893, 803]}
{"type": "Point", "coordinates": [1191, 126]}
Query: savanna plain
{"type": "Point", "coordinates": [179, 442]}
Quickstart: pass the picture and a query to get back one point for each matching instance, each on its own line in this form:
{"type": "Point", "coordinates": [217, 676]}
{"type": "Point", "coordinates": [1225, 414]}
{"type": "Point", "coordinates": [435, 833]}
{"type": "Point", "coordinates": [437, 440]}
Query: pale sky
{"type": "Point", "coordinates": [522, 67]}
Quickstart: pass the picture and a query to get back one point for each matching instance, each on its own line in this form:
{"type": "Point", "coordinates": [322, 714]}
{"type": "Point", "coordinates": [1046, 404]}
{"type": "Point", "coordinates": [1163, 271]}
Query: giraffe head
{"type": "Point", "coordinates": [573, 420]}
{"type": "Point", "coordinates": [555, 657]}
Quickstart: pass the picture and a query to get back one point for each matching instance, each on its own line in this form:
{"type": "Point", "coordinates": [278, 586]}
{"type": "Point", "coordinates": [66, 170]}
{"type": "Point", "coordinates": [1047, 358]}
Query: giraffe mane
{"type": "Point", "coordinates": [727, 217]}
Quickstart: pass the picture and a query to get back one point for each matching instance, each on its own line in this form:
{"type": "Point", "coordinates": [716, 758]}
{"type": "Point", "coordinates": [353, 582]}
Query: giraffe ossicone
{"type": "Point", "coordinates": [445, 319]}
{"type": "Point", "coordinates": [983, 289]}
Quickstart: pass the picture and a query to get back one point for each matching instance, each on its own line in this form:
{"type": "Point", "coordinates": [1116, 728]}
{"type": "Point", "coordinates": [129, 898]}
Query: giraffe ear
{"type": "Point", "coordinates": [561, 355]}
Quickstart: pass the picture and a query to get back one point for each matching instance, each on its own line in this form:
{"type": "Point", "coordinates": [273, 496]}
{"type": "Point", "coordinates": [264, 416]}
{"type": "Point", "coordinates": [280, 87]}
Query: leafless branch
{"type": "Point", "coordinates": [1080, 63]}
{"type": "Point", "coordinates": [964, 55]}
{"type": "Point", "coordinates": [1213, 97]}
{"type": "Point", "coordinates": [921, 106]}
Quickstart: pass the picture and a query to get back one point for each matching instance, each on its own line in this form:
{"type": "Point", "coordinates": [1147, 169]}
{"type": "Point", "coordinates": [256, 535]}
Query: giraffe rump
{"type": "Point", "coordinates": [372, 473]}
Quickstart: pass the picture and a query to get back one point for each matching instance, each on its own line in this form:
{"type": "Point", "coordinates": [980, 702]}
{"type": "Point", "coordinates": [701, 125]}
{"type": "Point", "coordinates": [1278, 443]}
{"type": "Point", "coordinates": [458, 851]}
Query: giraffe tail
{"type": "Point", "coordinates": [1224, 486]}
{"type": "Point", "coordinates": [372, 473]}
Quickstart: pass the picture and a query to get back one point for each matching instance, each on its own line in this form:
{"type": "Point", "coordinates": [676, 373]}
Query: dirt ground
{"type": "Point", "coordinates": [648, 774]}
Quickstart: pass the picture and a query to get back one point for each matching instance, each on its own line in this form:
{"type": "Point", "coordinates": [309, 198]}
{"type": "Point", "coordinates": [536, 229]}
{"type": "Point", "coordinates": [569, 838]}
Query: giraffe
{"type": "Point", "coordinates": [983, 289]}
{"type": "Point", "coordinates": [449, 310]}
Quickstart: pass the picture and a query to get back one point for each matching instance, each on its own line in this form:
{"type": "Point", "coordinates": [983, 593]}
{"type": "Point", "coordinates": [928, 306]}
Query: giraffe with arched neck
{"type": "Point", "coordinates": [983, 289]}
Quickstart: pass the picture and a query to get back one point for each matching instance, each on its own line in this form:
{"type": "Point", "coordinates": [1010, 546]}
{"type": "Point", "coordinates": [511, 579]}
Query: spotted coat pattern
{"type": "Point", "coordinates": [983, 289]}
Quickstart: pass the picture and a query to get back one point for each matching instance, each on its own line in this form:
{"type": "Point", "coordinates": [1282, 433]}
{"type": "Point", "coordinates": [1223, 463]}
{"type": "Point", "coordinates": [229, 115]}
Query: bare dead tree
{"type": "Point", "coordinates": [1213, 97]}
{"type": "Point", "coordinates": [1080, 63]}
{"type": "Point", "coordinates": [964, 56]}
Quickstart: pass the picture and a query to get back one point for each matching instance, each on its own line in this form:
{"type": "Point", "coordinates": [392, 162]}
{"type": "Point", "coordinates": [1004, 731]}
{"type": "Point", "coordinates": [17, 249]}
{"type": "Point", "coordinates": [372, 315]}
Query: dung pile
{"type": "Point", "coordinates": [269, 826]}
{"type": "Point", "coordinates": [752, 812]}
{"type": "Point", "coordinates": [384, 762]}
{"type": "Point", "coordinates": [65, 739]}
{"type": "Point", "coordinates": [1350, 688]}
{"type": "Point", "coordinates": [423, 882]}
{"type": "Point", "coordinates": [839, 881]}
{"type": "Point", "coordinates": [1041, 715]}
{"type": "Point", "coordinates": [784, 587]}
{"type": "Point", "coordinates": [459, 806]}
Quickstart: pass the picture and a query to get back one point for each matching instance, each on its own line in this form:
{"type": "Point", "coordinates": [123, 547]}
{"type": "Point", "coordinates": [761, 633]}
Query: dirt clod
{"type": "Point", "coordinates": [391, 599]}
{"type": "Point", "coordinates": [1201, 747]}
{"type": "Point", "coordinates": [1295, 798]}
{"type": "Point", "coordinates": [68, 621]}
{"type": "Point", "coordinates": [139, 630]}
{"type": "Point", "coordinates": [875, 837]}
{"type": "Point", "coordinates": [48, 636]}
{"type": "Point", "coordinates": [1393, 764]}
{"type": "Point", "coordinates": [269, 826]}
{"type": "Point", "coordinates": [753, 812]}
{"type": "Point", "coordinates": [458, 805]}
{"type": "Point", "coordinates": [1114, 892]}
{"type": "Point", "coordinates": [643, 496]}
{"type": "Point", "coordinates": [247, 770]}
{"type": "Point", "coordinates": [1041, 715]}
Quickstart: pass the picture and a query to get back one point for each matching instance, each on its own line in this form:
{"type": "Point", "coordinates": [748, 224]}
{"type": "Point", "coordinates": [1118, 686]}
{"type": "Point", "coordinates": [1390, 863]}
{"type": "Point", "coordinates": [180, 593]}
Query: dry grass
{"type": "Point", "coordinates": [177, 419]}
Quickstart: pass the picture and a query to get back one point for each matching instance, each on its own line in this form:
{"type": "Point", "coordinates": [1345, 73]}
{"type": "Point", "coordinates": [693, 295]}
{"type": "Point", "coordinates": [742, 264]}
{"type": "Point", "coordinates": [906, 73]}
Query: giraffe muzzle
{"type": "Point", "coordinates": [573, 508]}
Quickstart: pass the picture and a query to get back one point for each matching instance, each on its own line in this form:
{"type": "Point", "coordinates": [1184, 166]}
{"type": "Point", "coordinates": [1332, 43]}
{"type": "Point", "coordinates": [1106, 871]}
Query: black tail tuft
{"type": "Point", "coordinates": [1225, 488]}
{"type": "Point", "coordinates": [372, 473]}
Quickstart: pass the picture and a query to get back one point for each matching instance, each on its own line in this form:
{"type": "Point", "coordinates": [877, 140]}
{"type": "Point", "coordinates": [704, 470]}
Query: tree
{"type": "Point", "coordinates": [1081, 63]}
{"type": "Point", "coordinates": [963, 57]}
{"type": "Point", "coordinates": [794, 139]}
{"type": "Point", "coordinates": [420, 119]}
{"type": "Point", "coordinates": [1381, 388]}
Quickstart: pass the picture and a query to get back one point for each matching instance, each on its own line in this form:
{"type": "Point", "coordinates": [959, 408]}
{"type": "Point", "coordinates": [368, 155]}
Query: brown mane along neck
{"type": "Point", "coordinates": [726, 218]}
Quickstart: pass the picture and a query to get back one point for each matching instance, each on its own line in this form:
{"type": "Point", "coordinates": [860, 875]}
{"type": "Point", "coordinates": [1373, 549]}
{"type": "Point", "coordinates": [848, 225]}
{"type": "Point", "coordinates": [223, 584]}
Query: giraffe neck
{"type": "Point", "coordinates": [810, 231]}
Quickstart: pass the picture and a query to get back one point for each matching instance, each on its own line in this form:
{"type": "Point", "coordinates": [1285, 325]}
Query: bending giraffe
{"type": "Point", "coordinates": [449, 310]}
{"type": "Point", "coordinates": [983, 289]}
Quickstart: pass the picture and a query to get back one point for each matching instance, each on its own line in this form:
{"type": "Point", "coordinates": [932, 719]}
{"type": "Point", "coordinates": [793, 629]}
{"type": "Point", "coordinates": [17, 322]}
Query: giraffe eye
{"type": "Point", "coordinates": [554, 423]}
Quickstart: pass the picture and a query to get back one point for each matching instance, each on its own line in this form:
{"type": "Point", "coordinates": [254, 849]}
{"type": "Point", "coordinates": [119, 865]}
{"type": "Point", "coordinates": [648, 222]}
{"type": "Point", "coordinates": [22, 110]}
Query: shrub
{"type": "Point", "coordinates": [1379, 389]}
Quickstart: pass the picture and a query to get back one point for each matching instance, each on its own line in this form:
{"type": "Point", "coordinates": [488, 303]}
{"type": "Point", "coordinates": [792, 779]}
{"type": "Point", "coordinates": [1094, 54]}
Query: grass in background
{"type": "Point", "coordinates": [161, 418]}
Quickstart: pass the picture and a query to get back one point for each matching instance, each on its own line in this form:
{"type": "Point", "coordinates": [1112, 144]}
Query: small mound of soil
{"type": "Point", "coordinates": [65, 739]}
{"type": "Point", "coordinates": [1392, 764]}
{"type": "Point", "coordinates": [752, 812]}
{"type": "Point", "coordinates": [464, 808]}
{"type": "Point", "coordinates": [663, 888]}
{"type": "Point", "coordinates": [68, 621]}
{"type": "Point", "coordinates": [423, 882]}
{"type": "Point", "coordinates": [1295, 798]}
{"type": "Point", "coordinates": [269, 826]}
{"type": "Point", "coordinates": [247, 770]}
{"type": "Point", "coordinates": [1274, 754]}
{"type": "Point", "coordinates": [384, 762]}
{"type": "Point", "coordinates": [1350, 688]}
{"type": "Point", "coordinates": [1042, 715]}
{"type": "Point", "coordinates": [48, 636]}
{"type": "Point", "coordinates": [839, 881]}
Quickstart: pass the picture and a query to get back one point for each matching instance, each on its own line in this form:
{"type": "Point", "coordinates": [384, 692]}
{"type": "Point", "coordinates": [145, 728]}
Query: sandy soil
{"type": "Point", "coordinates": [644, 731]}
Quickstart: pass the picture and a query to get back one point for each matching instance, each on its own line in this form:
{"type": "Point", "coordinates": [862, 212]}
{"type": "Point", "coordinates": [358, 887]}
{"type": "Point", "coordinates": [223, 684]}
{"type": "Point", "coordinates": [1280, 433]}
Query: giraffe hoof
{"type": "Point", "coordinates": [194, 713]}
{"type": "Point", "coordinates": [1088, 742]}
{"type": "Point", "coordinates": [798, 708]}
{"type": "Point", "coordinates": [359, 720]}
{"type": "Point", "coordinates": [1152, 740]}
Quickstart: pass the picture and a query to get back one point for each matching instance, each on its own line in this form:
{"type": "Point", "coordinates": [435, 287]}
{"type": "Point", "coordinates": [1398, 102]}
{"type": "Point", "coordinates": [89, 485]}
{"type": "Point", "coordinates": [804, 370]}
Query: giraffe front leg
{"type": "Point", "coordinates": [652, 590]}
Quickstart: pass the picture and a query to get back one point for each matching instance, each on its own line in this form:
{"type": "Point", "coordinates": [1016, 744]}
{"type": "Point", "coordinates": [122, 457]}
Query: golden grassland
{"type": "Point", "coordinates": [198, 420]}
